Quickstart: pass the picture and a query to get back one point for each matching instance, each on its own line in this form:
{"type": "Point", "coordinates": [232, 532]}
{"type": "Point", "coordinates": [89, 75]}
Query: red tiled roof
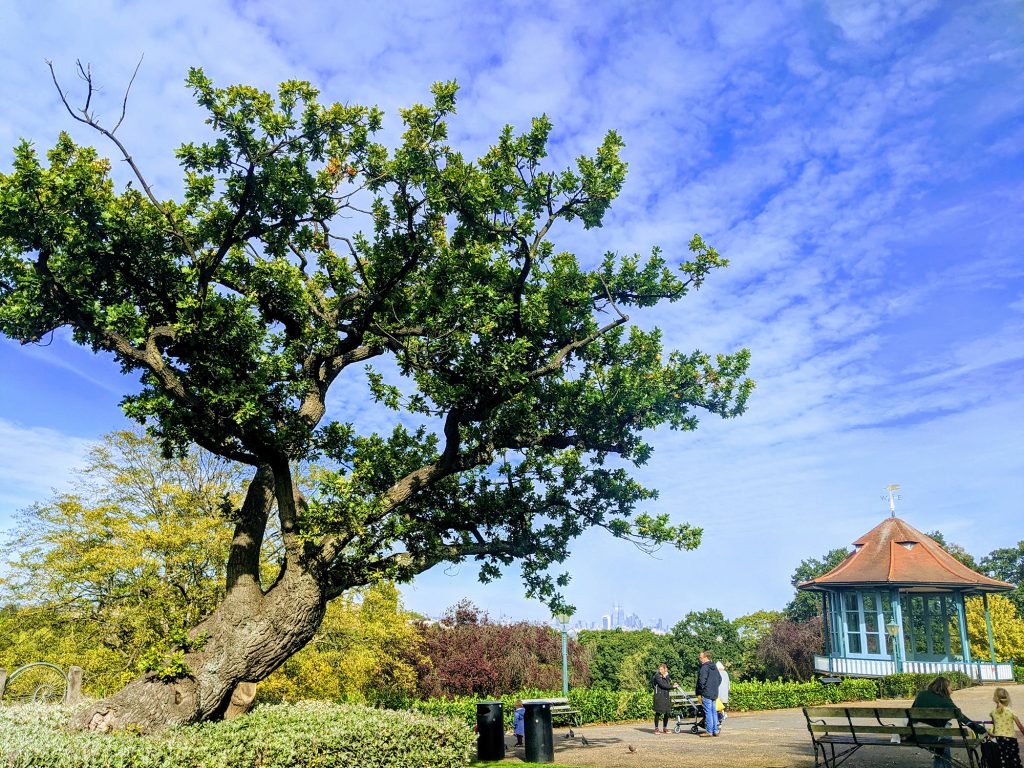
{"type": "Point", "coordinates": [896, 553]}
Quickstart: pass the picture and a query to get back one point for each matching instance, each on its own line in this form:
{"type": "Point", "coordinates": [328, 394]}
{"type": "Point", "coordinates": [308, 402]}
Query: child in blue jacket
{"type": "Point", "coordinates": [519, 723]}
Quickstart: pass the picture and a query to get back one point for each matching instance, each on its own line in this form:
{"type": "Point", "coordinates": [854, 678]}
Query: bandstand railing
{"type": "Point", "coordinates": [981, 672]}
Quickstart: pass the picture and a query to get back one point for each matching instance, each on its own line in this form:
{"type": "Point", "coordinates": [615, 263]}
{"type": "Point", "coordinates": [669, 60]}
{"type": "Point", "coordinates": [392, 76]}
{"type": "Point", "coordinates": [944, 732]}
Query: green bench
{"type": "Point", "coordinates": [559, 708]}
{"type": "Point", "coordinates": [838, 732]}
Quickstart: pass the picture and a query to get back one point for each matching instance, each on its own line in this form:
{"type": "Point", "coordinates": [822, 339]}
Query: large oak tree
{"type": "Point", "coordinates": [304, 255]}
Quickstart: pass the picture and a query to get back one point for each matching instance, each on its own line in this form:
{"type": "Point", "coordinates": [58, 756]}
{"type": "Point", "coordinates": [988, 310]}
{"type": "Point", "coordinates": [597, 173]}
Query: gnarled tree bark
{"type": "Point", "coordinates": [250, 634]}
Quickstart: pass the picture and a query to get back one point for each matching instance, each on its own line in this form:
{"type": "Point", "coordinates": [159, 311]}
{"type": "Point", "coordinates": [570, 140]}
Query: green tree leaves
{"type": "Point", "coordinates": [302, 251]}
{"type": "Point", "coordinates": [806, 605]}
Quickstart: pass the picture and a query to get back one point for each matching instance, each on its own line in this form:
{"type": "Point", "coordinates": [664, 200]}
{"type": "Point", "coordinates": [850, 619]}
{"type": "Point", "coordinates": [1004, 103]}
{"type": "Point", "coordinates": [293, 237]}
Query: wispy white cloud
{"type": "Point", "coordinates": [860, 164]}
{"type": "Point", "coordinates": [33, 462]}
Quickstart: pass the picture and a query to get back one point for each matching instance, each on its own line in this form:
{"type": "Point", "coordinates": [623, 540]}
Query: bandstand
{"type": "Point", "coordinates": [896, 604]}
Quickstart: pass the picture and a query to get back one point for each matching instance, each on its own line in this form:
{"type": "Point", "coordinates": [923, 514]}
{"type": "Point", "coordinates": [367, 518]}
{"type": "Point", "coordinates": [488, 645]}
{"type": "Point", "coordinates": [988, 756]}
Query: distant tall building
{"type": "Point", "coordinates": [606, 622]}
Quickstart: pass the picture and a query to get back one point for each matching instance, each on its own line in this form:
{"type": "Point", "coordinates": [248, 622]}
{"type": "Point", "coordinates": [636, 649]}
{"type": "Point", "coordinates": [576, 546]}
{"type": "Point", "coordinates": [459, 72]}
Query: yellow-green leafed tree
{"type": "Point", "coordinates": [97, 577]}
{"type": "Point", "coordinates": [1007, 629]}
{"type": "Point", "coordinates": [367, 649]}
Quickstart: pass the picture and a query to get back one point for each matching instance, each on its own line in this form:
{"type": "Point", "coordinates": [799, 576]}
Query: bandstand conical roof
{"type": "Point", "coordinates": [895, 554]}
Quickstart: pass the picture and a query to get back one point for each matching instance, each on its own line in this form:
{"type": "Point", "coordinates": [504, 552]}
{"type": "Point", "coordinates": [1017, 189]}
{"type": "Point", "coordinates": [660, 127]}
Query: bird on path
{"type": "Point", "coordinates": [570, 734]}
{"type": "Point", "coordinates": [631, 748]}
{"type": "Point", "coordinates": [584, 740]}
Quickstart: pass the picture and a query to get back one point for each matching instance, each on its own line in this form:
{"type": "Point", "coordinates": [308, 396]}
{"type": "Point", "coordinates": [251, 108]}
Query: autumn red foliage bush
{"type": "Point", "coordinates": [468, 654]}
{"type": "Point", "coordinates": [787, 650]}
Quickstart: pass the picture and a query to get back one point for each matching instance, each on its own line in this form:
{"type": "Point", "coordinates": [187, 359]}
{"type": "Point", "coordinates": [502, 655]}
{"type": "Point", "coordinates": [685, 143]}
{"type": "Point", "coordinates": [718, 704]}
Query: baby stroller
{"type": "Point", "coordinates": [689, 712]}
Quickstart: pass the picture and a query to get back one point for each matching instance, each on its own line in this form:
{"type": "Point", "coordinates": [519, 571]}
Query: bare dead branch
{"type": "Point", "coordinates": [87, 118]}
{"type": "Point", "coordinates": [124, 104]}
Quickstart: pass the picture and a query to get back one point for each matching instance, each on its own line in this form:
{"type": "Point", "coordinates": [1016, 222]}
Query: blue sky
{"type": "Point", "coordinates": [860, 164]}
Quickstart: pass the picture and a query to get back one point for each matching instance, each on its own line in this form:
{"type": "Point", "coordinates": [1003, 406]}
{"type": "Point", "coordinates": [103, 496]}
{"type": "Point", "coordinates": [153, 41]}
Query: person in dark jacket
{"type": "Point", "coordinates": [938, 695]}
{"type": "Point", "coordinates": [662, 685]}
{"type": "Point", "coordinates": [708, 682]}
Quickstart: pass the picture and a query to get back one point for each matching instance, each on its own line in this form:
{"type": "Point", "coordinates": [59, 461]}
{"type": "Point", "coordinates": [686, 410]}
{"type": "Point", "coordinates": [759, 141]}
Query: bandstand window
{"type": "Point", "coordinates": [865, 615]}
{"type": "Point", "coordinates": [930, 623]}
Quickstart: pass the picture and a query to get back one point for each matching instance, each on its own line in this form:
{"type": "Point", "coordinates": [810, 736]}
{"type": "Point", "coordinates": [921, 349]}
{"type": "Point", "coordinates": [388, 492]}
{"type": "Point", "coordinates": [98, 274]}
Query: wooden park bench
{"type": "Point", "coordinates": [838, 732]}
{"type": "Point", "coordinates": [560, 708]}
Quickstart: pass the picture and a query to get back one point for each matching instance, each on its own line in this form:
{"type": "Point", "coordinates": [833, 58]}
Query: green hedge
{"type": "Point", "coordinates": [907, 685]}
{"type": "Point", "coordinates": [275, 736]}
{"type": "Point", "coordinates": [779, 694]}
{"type": "Point", "coordinates": [599, 705]}
{"type": "Point", "coordinates": [595, 705]}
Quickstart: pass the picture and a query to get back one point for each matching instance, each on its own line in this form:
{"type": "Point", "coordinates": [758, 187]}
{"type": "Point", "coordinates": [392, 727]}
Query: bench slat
{"type": "Point", "coordinates": [918, 713]}
{"type": "Point", "coordinates": [545, 701]}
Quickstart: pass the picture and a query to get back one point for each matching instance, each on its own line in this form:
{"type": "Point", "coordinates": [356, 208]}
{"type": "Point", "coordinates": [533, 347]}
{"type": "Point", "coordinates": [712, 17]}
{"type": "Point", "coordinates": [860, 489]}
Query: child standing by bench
{"type": "Point", "coordinates": [1003, 720]}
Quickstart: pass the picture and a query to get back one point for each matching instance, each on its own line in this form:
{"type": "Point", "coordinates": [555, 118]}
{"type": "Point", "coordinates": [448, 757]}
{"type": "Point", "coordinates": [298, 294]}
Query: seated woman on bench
{"type": "Point", "coordinates": [938, 695]}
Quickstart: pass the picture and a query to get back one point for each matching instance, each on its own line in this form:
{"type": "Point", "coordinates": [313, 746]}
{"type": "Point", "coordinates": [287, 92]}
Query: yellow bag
{"type": "Point", "coordinates": [719, 706]}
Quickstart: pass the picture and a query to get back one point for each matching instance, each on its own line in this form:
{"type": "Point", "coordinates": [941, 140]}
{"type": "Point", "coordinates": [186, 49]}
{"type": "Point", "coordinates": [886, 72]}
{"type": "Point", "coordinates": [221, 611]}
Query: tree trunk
{"type": "Point", "coordinates": [249, 635]}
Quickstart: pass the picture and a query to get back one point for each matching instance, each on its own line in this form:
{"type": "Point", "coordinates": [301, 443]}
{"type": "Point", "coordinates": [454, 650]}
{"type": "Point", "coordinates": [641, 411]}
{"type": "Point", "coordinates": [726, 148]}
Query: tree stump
{"type": "Point", "coordinates": [73, 693]}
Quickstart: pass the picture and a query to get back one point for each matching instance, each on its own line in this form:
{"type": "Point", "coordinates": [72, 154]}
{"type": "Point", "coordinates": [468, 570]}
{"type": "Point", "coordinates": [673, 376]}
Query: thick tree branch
{"type": "Point", "coordinates": [559, 357]}
{"type": "Point", "coordinates": [243, 566]}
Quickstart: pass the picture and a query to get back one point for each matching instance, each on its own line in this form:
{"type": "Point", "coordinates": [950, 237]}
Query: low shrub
{"type": "Point", "coordinates": [906, 685]}
{"type": "Point", "coordinates": [463, 708]}
{"type": "Point", "coordinates": [1018, 673]}
{"type": "Point", "coordinates": [595, 705]}
{"type": "Point", "coordinates": [274, 736]}
{"type": "Point", "coordinates": [600, 705]}
{"type": "Point", "coordinates": [778, 694]}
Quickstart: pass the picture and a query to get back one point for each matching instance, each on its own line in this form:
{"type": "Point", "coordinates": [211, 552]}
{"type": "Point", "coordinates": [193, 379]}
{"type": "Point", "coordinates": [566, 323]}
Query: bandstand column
{"type": "Point", "coordinates": [826, 628]}
{"type": "Point", "coordinates": [900, 653]}
{"type": "Point", "coordinates": [965, 643]}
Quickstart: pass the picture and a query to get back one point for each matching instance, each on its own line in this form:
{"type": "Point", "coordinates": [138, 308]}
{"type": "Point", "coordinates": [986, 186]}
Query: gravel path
{"type": "Point", "coordinates": [771, 739]}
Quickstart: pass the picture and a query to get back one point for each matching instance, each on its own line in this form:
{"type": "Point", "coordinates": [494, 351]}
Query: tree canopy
{"type": "Point", "coordinates": [303, 254]}
{"type": "Point", "coordinates": [239, 305]}
{"type": "Point", "coordinates": [624, 660]}
{"type": "Point", "coordinates": [806, 605]}
{"type": "Point", "coordinates": [1007, 564]}
{"type": "Point", "coordinates": [99, 576]}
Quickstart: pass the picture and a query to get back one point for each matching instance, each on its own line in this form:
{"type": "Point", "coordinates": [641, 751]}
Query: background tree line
{"type": "Point", "coordinates": [103, 576]}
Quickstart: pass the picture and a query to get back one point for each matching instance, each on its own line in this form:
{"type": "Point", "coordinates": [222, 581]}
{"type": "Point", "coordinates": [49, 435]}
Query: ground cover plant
{"type": "Point", "coordinates": [271, 736]}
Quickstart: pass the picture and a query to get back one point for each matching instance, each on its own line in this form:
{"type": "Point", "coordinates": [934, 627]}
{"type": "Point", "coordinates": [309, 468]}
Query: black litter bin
{"type": "Point", "coordinates": [540, 744]}
{"type": "Point", "coordinates": [490, 726]}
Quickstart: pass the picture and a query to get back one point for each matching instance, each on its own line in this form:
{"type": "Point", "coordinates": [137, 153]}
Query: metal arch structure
{"type": "Point", "coordinates": [43, 692]}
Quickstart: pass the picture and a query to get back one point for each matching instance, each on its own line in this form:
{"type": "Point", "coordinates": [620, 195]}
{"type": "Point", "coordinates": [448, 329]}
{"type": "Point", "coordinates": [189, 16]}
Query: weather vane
{"type": "Point", "coordinates": [892, 488]}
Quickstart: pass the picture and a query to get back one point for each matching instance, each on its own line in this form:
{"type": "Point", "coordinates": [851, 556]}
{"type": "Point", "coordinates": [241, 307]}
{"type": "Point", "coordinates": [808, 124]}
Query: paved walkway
{"type": "Point", "coordinates": [771, 739]}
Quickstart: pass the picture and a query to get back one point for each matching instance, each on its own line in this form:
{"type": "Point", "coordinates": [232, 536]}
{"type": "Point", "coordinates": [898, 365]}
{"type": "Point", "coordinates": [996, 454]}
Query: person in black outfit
{"type": "Point", "coordinates": [708, 681]}
{"type": "Point", "coordinates": [662, 685]}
